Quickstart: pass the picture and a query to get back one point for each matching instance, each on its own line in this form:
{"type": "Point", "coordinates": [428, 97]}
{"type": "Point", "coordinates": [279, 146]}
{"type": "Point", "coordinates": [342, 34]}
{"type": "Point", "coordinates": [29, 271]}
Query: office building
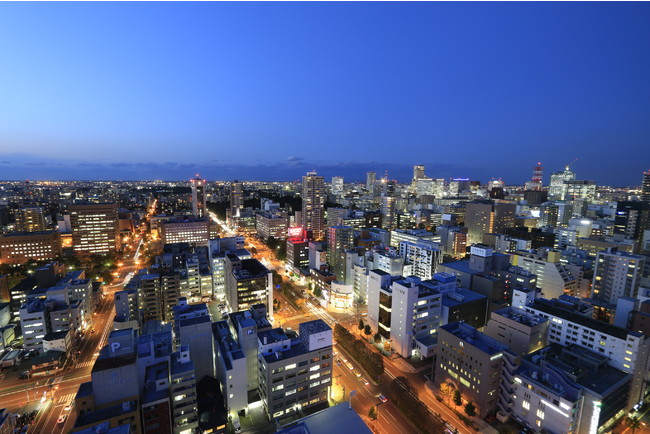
{"type": "Point", "coordinates": [388, 206]}
{"type": "Point", "coordinates": [236, 198]}
{"type": "Point", "coordinates": [95, 228]}
{"type": "Point", "coordinates": [407, 310]}
{"type": "Point", "coordinates": [248, 282]}
{"type": "Point", "coordinates": [371, 177]}
{"type": "Point", "coordinates": [337, 185]}
{"type": "Point", "coordinates": [645, 186]}
{"type": "Point", "coordinates": [487, 216]}
{"type": "Point", "coordinates": [632, 219]}
{"type": "Point", "coordinates": [339, 239]}
{"type": "Point", "coordinates": [557, 188]}
{"type": "Point", "coordinates": [580, 190]}
{"type": "Point", "coordinates": [473, 363]}
{"type": "Point", "coordinates": [30, 220]}
{"type": "Point", "coordinates": [523, 332]}
{"type": "Point", "coordinates": [193, 328]}
{"type": "Point", "coordinates": [297, 250]}
{"type": "Point", "coordinates": [313, 205]}
{"type": "Point", "coordinates": [199, 197]}
{"type": "Point", "coordinates": [553, 277]}
{"type": "Point", "coordinates": [617, 274]}
{"type": "Point", "coordinates": [626, 350]}
{"type": "Point", "coordinates": [193, 231]}
{"type": "Point", "coordinates": [19, 247]}
{"type": "Point", "coordinates": [271, 224]}
{"type": "Point", "coordinates": [185, 418]}
{"type": "Point", "coordinates": [412, 235]}
{"type": "Point", "coordinates": [567, 390]}
{"type": "Point", "coordinates": [295, 373]}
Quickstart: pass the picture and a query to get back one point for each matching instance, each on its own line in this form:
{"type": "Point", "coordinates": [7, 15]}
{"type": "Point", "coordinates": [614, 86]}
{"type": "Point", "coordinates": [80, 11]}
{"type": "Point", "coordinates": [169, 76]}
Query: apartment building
{"type": "Point", "coordinates": [295, 372]}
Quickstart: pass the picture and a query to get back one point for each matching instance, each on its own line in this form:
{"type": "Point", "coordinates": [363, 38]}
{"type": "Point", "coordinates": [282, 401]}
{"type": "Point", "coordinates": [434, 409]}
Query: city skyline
{"type": "Point", "coordinates": [270, 91]}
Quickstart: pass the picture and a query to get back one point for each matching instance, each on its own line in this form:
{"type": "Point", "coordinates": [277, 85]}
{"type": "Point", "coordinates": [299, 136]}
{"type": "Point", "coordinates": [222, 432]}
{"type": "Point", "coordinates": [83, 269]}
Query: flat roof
{"type": "Point", "coordinates": [273, 335]}
{"type": "Point", "coordinates": [474, 338]}
{"type": "Point", "coordinates": [315, 326]}
{"type": "Point", "coordinates": [338, 418]}
{"type": "Point", "coordinates": [463, 295]}
{"type": "Point", "coordinates": [546, 306]}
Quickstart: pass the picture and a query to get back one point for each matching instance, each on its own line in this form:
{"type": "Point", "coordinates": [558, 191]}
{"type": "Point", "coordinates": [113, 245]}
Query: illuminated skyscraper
{"type": "Point", "coordinates": [94, 228]}
{"type": "Point", "coordinates": [198, 197]}
{"type": "Point", "coordinates": [645, 187]}
{"type": "Point", "coordinates": [370, 181]}
{"type": "Point", "coordinates": [236, 198]}
{"type": "Point", "coordinates": [557, 188]}
{"type": "Point", "coordinates": [313, 204]}
{"type": "Point", "coordinates": [418, 173]}
{"type": "Point", "coordinates": [30, 219]}
{"type": "Point", "coordinates": [337, 185]}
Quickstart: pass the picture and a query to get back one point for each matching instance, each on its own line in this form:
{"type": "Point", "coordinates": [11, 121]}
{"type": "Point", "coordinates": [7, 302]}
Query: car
{"type": "Point", "coordinates": [357, 373]}
{"type": "Point", "coordinates": [61, 419]}
{"type": "Point", "coordinates": [69, 406]}
{"type": "Point", "coordinates": [383, 398]}
{"type": "Point", "coordinates": [365, 382]}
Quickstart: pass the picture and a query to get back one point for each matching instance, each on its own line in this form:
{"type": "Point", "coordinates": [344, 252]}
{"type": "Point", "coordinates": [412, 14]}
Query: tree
{"type": "Point", "coordinates": [361, 325]}
{"type": "Point", "coordinates": [634, 423]}
{"type": "Point", "coordinates": [377, 338]}
{"type": "Point", "coordinates": [318, 292]}
{"type": "Point", "coordinates": [372, 413]}
{"type": "Point", "coordinates": [367, 330]}
{"type": "Point", "coordinates": [457, 398]}
{"type": "Point", "coordinates": [470, 409]}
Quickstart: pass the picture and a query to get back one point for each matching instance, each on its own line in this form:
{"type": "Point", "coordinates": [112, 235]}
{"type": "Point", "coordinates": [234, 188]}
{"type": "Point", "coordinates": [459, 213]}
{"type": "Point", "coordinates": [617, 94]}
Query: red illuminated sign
{"type": "Point", "coordinates": [295, 232]}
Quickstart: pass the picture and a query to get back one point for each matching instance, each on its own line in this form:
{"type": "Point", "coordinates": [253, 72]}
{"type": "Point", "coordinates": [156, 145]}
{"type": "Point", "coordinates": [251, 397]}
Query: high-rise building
{"type": "Point", "coordinates": [645, 186]}
{"type": "Point", "coordinates": [422, 256]}
{"type": "Point", "coordinates": [295, 372]}
{"type": "Point", "coordinates": [473, 363]}
{"type": "Point", "coordinates": [30, 219]}
{"type": "Point", "coordinates": [248, 282]}
{"type": "Point", "coordinates": [407, 310]}
{"type": "Point", "coordinates": [95, 228]}
{"type": "Point", "coordinates": [199, 197]}
{"type": "Point", "coordinates": [19, 247]}
{"type": "Point", "coordinates": [370, 181]}
{"type": "Point", "coordinates": [617, 274]}
{"type": "Point", "coordinates": [195, 232]}
{"type": "Point", "coordinates": [486, 216]}
{"type": "Point", "coordinates": [418, 172]}
{"type": "Point", "coordinates": [557, 189]}
{"type": "Point", "coordinates": [313, 204]}
{"type": "Point", "coordinates": [632, 219]}
{"type": "Point", "coordinates": [236, 198]}
{"type": "Point", "coordinates": [337, 185]}
{"type": "Point", "coordinates": [159, 293]}
{"type": "Point", "coordinates": [576, 189]}
{"type": "Point", "coordinates": [339, 239]}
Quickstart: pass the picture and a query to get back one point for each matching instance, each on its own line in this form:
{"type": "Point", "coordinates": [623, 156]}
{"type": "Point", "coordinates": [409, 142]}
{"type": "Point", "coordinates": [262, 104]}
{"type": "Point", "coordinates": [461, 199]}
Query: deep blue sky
{"type": "Point", "coordinates": [270, 90]}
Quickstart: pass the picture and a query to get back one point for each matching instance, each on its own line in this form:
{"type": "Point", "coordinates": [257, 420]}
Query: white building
{"type": "Point", "coordinates": [424, 256]}
{"type": "Point", "coordinates": [553, 278]}
{"type": "Point", "coordinates": [406, 311]}
{"type": "Point", "coordinates": [617, 274]}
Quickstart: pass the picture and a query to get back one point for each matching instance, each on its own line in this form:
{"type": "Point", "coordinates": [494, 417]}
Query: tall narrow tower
{"type": "Point", "coordinates": [538, 173]}
{"type": "Point", "coordinates": [236, 198]}
{"type": "Point", "coordinates": [313, 204]}
{"type": "Point", "coordinates": [645, 187]}
{"type": "Point", "coordinates": [370, 180]}
{"type": "Point", "coordinates": [199, 197]}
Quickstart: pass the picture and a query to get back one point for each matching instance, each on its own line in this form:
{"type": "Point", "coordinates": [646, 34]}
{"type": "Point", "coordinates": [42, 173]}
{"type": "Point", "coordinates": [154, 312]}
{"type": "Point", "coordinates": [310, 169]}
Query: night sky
{"type": "Point", "coordinates": [268, 91]}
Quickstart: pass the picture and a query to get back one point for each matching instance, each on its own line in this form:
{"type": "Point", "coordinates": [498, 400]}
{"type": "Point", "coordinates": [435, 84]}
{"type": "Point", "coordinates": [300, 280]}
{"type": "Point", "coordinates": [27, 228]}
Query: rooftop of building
{"type": "Point", "coordinates": [296, 348]}
{"type": "Point", "coordinates": [339, 418]}
{"type": "Point", "coordinates": [85, 389]}
{"type": "Point", "coordinates": [105, 428]}
{"type": "Point", "coordinates": [581, 365]}
{"type": "Point", "coordinates": [273, 335]}
{"type": "Point", "coordinates": [54, 336]}
{"type": "Point", "coordinates": [107, 361]}
{"type": "Point", "coordinates": [250, 269]}
{"type": "Point", "coordinates": [112, 412]}
{"type": "Point", "coordinates": [520, 316]}
{"type": "Point", "coordinates": [28, 234]}
{"type": "Point", "coordinates": [177, 367]}
{"type": "Point", "coordinates": [153, 374]}
{"type": "Point", "coordinates": [551, 307]}
{"type": "Point", "coordinates": [459, 296]}
{"type": "Point", "coordinates": [473, 337]}
{"type": "Point", "coordinates": [311, 327]}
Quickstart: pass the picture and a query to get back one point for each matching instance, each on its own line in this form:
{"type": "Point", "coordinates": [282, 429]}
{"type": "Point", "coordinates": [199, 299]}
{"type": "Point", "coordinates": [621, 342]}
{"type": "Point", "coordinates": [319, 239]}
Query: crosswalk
{"type": "Point", "coordinates": [67, 398]}
{"type": "Point", "coordinates": [84, 364]}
